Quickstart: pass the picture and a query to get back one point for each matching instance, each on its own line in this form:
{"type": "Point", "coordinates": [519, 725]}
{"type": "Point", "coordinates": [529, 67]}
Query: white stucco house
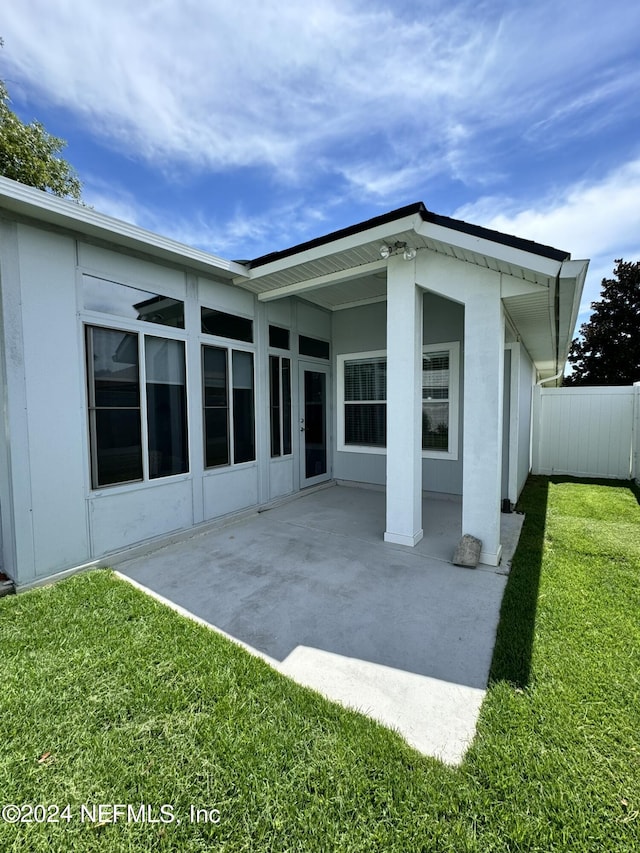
{"type": "Point", "coordinates": [149, 387]}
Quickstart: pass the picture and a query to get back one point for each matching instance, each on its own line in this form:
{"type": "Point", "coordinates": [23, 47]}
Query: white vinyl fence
{"type": "Point", "coordinates": [587, 432]}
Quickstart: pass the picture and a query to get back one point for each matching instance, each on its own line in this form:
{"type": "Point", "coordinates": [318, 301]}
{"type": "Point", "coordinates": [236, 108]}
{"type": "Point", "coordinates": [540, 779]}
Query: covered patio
{"type": "Point", "coordinates": [396, 632]}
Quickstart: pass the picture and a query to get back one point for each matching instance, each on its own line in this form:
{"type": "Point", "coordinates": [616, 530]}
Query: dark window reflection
{"type": "Point", "coordinates": [315, 437]}
{"type": "Point", "coordinates": [313, 347]}
{"type": "Point", "coordinates": [109, 297]}
{"type": "Point", "coordinates": [274, 398]}
{"type": "Point", "coordinates": [286, 406]}
{"type": "Point", "coordinates": [278, 337]}
{"type": "Point", "coordinates": [166, 407]}
{"type": "Point", "coordinates": [244, 445]}
{"type": "Point", "coordinates": [216, 406]}
{"type": "Point", "coordinates": [226, 325]}
{"type": "Point", "coordinates": [114, 406]}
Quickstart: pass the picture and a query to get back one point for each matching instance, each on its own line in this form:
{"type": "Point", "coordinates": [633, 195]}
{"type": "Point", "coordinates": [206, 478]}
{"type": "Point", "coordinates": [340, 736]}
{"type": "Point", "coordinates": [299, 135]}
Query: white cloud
{"type": "Point", "coordinates": [241, 235]}
{"type": "Point", "coordinates": [354, 86]}
{"type": "Point", "coordinates": [598, 220]}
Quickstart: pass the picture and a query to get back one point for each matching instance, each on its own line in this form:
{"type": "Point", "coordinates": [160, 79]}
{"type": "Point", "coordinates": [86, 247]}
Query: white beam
{"type": "Point", "coordinates": [327, 280]}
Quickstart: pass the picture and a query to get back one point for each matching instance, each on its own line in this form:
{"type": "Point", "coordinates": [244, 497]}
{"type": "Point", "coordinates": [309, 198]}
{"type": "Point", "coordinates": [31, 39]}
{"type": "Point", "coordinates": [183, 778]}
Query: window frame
{"type": "Point", "coordinates": [342, 447]}
{"type": "Point", "coordinates": [142, 330]}
{"type": "Point", "coordinates": [451, 453]}
{"type": "Point", "coordinates": [280, 356]}
{"type": "Point", "coordinates": [453, 400]}
{"type": "Point", "coordinates": [229, 348]}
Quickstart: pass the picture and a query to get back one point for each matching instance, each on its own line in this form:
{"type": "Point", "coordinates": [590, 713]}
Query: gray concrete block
{"type": "Point", "coordinates": [467, 554]}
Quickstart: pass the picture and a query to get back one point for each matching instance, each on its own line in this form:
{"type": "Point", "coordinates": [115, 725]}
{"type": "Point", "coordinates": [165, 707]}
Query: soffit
{"type": "Point", "coordinates": [368, 253]}
{"type": "Point", "coordinates": [532, 318]}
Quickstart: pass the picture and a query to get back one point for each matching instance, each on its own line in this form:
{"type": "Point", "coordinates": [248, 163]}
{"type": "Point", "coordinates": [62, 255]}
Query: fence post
{"type": "Point", "coordinates": [635, 434]}
{"type": "Point", "coordinates": [537, 428]}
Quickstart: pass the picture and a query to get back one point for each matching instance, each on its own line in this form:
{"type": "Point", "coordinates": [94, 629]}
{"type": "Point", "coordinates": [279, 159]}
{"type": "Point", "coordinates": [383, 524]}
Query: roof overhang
{"type": "Point", "coordinates": [540, 285]}
{"type": "Point", "coordinates": [40, 208]}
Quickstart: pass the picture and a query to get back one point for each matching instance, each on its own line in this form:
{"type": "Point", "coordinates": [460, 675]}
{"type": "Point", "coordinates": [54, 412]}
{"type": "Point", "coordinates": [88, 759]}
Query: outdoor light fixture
{"type": "Point", "coordinates": [408, 253]}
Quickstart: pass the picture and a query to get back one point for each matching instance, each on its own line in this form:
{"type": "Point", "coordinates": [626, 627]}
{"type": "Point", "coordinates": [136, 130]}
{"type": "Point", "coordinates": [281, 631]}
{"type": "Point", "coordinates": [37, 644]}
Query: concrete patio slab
{"type": "Point", "coordinates": [397, 633]}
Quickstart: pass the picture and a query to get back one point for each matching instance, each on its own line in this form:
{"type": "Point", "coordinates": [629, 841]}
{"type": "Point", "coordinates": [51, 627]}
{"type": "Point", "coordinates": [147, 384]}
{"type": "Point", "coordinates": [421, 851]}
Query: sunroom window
{"type": "Point", "coordinates": [229, 407]}
{"type": "Point", "coordinates": [134, 436]}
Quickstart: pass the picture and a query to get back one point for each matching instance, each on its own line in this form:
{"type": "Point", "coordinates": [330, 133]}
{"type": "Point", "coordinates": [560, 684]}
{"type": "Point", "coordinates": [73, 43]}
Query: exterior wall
{"type": "Point", "coordinates": [516, 437]}
{"type": "Point", "coordinates": [17, 541]}
{"type": "Point", "coordinates": [506, 421]}
{"type": "Point", "coordinates": [363, 329]}
{"type": "Point", "coordinates": [526, 377]}
{"type": "Point", "coordinates": [52, 519]}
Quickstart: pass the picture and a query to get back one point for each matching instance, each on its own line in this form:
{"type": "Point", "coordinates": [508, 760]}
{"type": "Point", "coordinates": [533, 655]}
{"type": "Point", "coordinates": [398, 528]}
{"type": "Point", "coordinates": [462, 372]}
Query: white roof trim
{"type": "Point", "coordinates": [489, 248]}
{"type": "Point", "coordinates": [342, 244]}
{"type": "Point", "coordinates": [44, 207]}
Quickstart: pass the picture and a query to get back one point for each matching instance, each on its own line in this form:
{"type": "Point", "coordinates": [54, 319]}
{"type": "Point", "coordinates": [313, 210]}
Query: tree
{"type": "Point", "coordinates": [608, 349]}
{"type": "Point", "coordinates": [28, 154]}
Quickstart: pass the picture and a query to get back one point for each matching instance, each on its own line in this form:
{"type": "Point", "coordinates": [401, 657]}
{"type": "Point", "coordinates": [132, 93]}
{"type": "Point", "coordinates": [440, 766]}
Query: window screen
{"type": "Point", "coordinates": [365, 394]}
{"type": "Point", "coordinates": [435, 401]}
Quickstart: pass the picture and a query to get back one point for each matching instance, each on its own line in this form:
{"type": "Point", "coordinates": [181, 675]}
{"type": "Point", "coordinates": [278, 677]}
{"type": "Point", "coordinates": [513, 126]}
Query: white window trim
{"type": "Point", "coordinates": [454, 401]}
{"type": "Point", "coordinates": [141, 330]}
{"type": "Point", "coordinates": [280, 354]}
{"type": "Point", "coordinates": [341, 446]}
{"type": "Point", "coordinates": [209, 341]}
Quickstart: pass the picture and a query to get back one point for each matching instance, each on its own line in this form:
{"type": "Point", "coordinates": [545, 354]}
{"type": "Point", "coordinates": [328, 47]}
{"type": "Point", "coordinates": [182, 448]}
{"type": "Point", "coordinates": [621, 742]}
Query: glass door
{"type": "Point", "coordinates": [314, 425]}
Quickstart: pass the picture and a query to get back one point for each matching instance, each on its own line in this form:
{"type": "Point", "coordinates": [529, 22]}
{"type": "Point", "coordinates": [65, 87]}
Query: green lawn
{"type": "Point", "coordinates": [108, 697]}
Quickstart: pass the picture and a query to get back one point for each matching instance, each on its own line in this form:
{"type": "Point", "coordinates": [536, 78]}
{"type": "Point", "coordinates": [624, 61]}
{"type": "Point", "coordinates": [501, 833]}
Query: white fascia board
{"type": "Point", "coordinates": [299, 287]}
{"type": "Point", "coordinates": [490, 249]}
{"type": "Point", "coordinates": [51, 210]}
{"type": "Point", "coordinates": [343, 244]}
{"type": "Point", "coordinates": [572, 278]}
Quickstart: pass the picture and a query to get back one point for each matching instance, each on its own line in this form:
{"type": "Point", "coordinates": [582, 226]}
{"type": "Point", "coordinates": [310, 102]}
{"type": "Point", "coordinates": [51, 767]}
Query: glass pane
{"type": "Point", "coordinates": [278, 338]}
{"type": "Point", "coordinates": [274, 398]}
{"type": "Point", "coordinates": [244, 449]}
{"type": "Point", "coordinates": [435, 426]}
{"type": "Point", "coordinates": [315, 439]}
{"type": "Point", "coordinates": [164, 360]}
{"type": "Point", "coordinates": [166, 407]}
{"type": "Point", "coordinates": [216, 413]}
{"type": "Point", "coordinates": [112, 298]}
{"type": "Point", "coordinates": [313, 347]}
{"type": "Point", "coordinates": [214, 371]}
{"type": "Point", "coordinates": [286, 406]}
{"type": "Point", "coordinates": [114, 368]}
{"type": "Point", "coordinates": [226, 325]}
{"type": "Point", "coordinates": [366, 424]}
{"type": "Point", "coordinates": [118, 446]}
{"type": "Point", "coordinates": [216, 437]}
{"type": "Point", "coordinates": [365, 379]}
{"type": "Point", "coordinates": [435, 376]}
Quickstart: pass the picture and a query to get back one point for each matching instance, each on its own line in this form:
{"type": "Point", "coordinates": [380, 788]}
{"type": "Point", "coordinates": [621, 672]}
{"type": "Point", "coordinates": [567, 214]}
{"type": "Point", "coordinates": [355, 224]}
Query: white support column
{"type": "Point", "coordinates": [404, 404]}
{"type": "Point", "coordinates": [483, 404]}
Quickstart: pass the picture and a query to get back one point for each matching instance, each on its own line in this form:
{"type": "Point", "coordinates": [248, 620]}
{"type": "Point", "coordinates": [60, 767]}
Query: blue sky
{"type": "Point", "coordinates": [247, 127]}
